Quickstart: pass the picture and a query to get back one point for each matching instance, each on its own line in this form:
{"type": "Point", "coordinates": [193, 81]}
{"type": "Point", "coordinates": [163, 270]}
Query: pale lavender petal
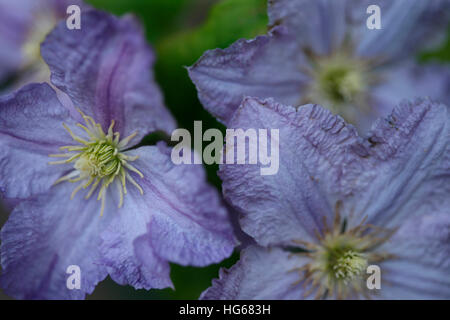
{"type": "Point", "coordinates": [125, 250]}
{"type": "Point", "coordinates": [106, 70]}
{"type": "Point", "coordinates": [46, 235]}
{"type": "Point", "coordinates": [260, 274]}
{"type": "Point", "coordinates": [125, 246]}
{"type": "Point", "coordinates": [14, 20]}
{"type": "Point", "coordinates": [31, 128]}
{"type": "Point", "coordinates": [319, 159]}
{"type": "Point", "coordinates": [268, 66]}
{"type": "Point", "coordinates": [318, 25]}
{"type": "Point", "coordinates": [407, 26]}
{"type": "Point", "coordinates": [189, 225]}
{"type": "Point", "coordinates": [179, 218]}
{"type": "Point", "coordinates": [408, 80]}
{"type": "Point", "coordinates": [421, 266]}
{"type": "Point", "coordinates": [408, 166]}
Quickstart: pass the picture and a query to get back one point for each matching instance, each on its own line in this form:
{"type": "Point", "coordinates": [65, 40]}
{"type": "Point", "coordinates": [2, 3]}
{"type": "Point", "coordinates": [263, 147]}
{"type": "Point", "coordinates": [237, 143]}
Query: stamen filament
{"type": "Point", "coordinates": [74, 137]}
{"type": "Point", "coordinates": [91, 191]}
{"type": "Point", "coordinates": [133, 182]}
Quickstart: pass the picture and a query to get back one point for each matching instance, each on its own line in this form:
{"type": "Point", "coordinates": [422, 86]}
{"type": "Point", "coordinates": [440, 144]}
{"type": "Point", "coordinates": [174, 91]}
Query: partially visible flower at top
{"type": "Point", "coordinates": [340, 203]}
{"type": "Point", "coordinates": [321, 51]}
{"type": "Point", "coordinates": [24, 24]}
{"type": "Point", "coordinates": [87, 198]}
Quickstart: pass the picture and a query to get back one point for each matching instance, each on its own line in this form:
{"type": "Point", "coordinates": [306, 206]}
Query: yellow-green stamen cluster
{"type": "Point", "coordinates": [339, 83]}
{"type": "Point", "coordinates": [98, 161]}
{"type": "Point", "coordinates": [349, 265]}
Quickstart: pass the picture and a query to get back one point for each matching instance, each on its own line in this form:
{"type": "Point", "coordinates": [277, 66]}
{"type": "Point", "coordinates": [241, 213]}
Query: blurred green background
{"type": "Point", "coordinates": [180, 31]}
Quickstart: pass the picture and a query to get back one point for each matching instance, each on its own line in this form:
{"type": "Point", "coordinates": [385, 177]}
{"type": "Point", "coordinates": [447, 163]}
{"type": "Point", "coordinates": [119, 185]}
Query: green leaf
{"type": "Point", "coordinates": [158, 16]}
{"type": "Point", "coordinates": [441, 54]}
{"type": "Point", "coordinates": [228, 21]}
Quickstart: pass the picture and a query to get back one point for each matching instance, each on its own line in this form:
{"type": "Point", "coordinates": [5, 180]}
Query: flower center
{"type": "Point", "coordinates": [339, 82]}
{"type": "Point", "coordinates": [348, 265]}
{"type": "Point", "coordinates": [98, 161]}
{"type": "Point", "coordinates": [339, 258]}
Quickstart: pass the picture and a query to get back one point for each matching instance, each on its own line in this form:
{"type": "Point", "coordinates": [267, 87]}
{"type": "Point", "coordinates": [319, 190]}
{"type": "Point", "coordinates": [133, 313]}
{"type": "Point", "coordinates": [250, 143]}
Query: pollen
{"type": "Point", "coordinates": [98, 162]}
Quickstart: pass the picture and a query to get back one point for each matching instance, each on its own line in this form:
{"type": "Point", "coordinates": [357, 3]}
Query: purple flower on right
{"type": "Point", "coordinates": [321, 51]}
{"type": "Point", "coordinates": [341, 203]}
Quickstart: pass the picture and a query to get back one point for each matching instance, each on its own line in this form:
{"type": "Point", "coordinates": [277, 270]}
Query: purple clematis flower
{"type": "Point", "coordinates": [23, 27]}
{"type": "Point", "coordinates": [149, 211]}
{"type": "Point", "coordinates": [321, 51]}
{"type": "Point", "coordinates": [340, 203]}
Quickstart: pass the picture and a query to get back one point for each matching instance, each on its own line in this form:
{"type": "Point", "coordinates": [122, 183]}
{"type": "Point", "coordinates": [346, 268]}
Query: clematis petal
{"type": "Point", "coordinates": [407, 167]}
{"type": "Point", "coordinates": [30, 129]}
{"type": "Point", "coordinates": [409, 80]}
{"type": "Point", "coordinates": [14, 18]}
{"type": "Point", "coordinates": [421, 267]}
{"type": "Point", "coordinates": [268, 66]}
{"type": "Point", "coordinates": [318, 25]}
{"type": "Point", "coordinates": [179, 218]}
{"type": "Point", "coordinates": [318, 162]}
{"type": "Point", "coordinates": [126, 253]}
{"type": "Point", "coordinates": [125, 246]}
{"type": "Point", "coordinates": [105, 69]}
{"type": "Point", "coordinates": [23, 26]}
{"type": "Point", "coordinates": [46, 235]}
{"type": "Point", "coordinates": [406, 26]}
{"type": "Point", "coordinates": [260, 274]}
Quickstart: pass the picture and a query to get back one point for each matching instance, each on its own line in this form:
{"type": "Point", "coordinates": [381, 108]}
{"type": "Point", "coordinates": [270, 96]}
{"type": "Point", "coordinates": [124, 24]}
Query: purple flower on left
{"type": "Point", "coordinates": [149, 211]}
{"type": "Point", "coordinates": [23, 26]}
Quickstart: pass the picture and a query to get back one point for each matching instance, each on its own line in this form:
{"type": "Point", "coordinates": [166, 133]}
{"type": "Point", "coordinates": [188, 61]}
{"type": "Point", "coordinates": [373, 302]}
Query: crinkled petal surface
{"type": "Point", "coordinates": [30, 129]}
{"type": "Point", "coordinates": [421, 267]}
{"type": "Point", "coordinates": [318, 25]}
{"type": "Point", "coordinates": [46, 235]}
{"type": "Point", "coordinates": [407, 169]}
{"type": "Point", "coordinates": [178, 219]}
{"type": "Point", "coordinates": [260, 274]}
{"type": "Point", "coordinates": [125, 250]}
{"type": "Point", "coordinates": [400, 170]}
{"type": "Point", "coordinates": [317, 159]}
{"type": "Point", "coordinates": [322, 25]}
{"type": "Point", "coordinates": [267, 66]}
{"type": "Point", "coordinates": [105, 69]}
